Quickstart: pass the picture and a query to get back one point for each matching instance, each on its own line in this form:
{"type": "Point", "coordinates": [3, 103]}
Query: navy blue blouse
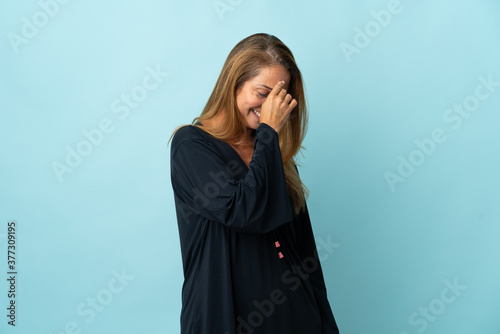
{"type": "Point", "coordinates": [249, 265]}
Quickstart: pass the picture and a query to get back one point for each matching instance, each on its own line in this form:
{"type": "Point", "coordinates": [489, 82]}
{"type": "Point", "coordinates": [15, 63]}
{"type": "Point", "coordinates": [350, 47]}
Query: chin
{"type": "Point", "coordinates": [253, 125]}
{"type": "Point", "coordinates": [252, 121]}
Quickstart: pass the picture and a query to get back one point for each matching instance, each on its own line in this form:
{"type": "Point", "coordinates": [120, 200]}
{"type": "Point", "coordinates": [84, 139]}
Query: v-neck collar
{"type": "Point", "coordinates": [228, 147]}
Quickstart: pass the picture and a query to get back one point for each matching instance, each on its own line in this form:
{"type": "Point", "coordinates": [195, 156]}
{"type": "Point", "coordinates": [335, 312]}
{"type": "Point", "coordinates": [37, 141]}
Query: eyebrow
{"type": "Point", "coordinates": [265, 87]}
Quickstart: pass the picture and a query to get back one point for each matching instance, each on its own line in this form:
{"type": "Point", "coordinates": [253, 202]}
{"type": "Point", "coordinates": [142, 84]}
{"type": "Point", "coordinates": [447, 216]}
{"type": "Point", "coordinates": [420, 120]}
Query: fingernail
{"type": "Point", "coordinates": [282, 82]}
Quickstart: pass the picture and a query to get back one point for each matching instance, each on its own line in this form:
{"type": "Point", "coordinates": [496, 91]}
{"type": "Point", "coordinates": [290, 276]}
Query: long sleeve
{"type": "Point", "coordinates": [203, 181]}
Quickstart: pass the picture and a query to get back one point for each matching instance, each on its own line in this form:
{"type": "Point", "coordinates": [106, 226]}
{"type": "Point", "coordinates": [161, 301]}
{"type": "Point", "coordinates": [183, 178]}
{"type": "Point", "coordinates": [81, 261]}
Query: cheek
{"type": "Point", "coordinates": [248, 101]}
{"type": "Point", "coordinates": [255, 100]}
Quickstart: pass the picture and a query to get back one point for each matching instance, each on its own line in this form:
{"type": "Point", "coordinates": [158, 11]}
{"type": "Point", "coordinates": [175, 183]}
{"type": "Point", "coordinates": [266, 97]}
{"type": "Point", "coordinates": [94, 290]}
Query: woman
{"type": "Point", "coordinates": [248, 251]}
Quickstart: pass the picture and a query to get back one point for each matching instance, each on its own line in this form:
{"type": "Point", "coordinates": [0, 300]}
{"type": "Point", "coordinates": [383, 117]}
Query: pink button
{"type": "Point", "coordinates": [277, 244]}
{"type": "Point", "coordinates": [281, 255]}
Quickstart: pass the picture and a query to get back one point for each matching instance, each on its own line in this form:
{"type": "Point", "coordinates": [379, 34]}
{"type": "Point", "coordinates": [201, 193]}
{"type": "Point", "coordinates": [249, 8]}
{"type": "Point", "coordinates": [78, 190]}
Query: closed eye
{"type": "Point", "coordinates": [263, 95]}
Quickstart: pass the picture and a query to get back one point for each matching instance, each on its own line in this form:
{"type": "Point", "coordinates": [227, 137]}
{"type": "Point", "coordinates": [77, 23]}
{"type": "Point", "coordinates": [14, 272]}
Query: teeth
{"type": "Point", "coordinates": [256, 112]}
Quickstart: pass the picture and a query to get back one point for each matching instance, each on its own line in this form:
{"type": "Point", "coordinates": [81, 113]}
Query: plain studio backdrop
{"type": "Point", "coordinates": [402, 158]}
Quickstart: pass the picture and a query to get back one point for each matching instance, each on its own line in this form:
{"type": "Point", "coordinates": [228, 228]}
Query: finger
{"type": "Point", "coordinates": [277, 88]}
{"type": "Point", "coordinates": [282, 94]}
{"type": "Point", "coordinates": [291, 106]}
{"type": "Point", "coordinates": [287, 99]}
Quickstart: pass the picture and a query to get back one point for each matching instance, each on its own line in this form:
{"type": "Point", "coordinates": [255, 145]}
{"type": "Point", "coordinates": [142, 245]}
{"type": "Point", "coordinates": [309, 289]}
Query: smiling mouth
{"type": "Point", "coordinates": [256, 112]}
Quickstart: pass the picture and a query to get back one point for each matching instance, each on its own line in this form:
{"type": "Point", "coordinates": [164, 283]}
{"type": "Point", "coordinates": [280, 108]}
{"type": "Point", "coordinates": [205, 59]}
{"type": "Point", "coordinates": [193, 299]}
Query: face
{"type": "Point", "coordinates": [254, 92]}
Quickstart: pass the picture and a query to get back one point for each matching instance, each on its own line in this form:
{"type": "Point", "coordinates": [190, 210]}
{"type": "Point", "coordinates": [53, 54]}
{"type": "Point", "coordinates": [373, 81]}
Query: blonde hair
{"type": "Point", "coordinates": [244, 62]}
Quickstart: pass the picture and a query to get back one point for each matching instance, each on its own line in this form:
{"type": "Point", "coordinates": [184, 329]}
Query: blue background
{"type": "Point", "coordinates": [389, 253]}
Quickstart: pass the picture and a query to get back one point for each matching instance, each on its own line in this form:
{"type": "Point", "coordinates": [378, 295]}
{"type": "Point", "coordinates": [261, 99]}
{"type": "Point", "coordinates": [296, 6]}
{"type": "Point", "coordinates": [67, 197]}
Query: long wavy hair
{"type": "Point", "coordinates": [244, 62]}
